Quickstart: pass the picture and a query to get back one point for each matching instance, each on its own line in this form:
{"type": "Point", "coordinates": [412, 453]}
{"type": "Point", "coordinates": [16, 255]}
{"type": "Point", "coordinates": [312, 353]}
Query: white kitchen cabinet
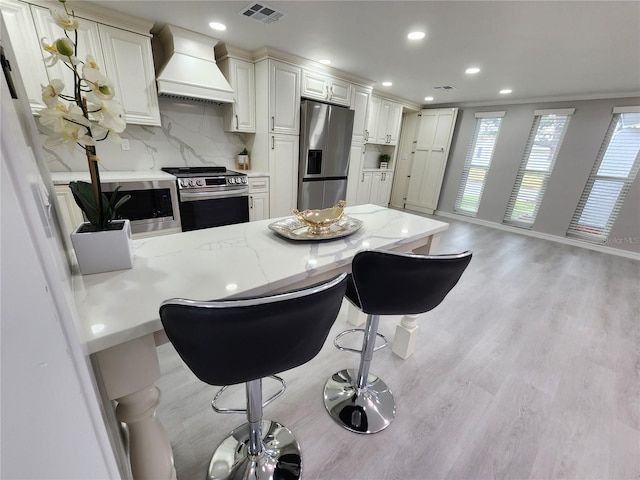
{"type": "Point", "coordinates": [383, 121]}
{"type": "Point", "coordinates": [124, 56]}
{"type": "Point", "coordinates": [240, 116]}
{"type": "Point", "coordinates": [433, 140]}
{"type": "Point", "coordinates": [320, 86]}
{"type": "Point", "coordinates": [128, 61]}
{"type": "Point", "coordinates": [283, 174]}
{"type": "Point", "coordinates": [284, 98]}
{"type": "Point", "coordinates": [26, 45]}
{"type": "Point", "coordinates": [360, 106]}
{"type": "Point", "coordinates": [258, 198]}
{"type": "Point", "coordinates": [375, 187]}
{"type": "Point", "coordinates": [88, 42]}
{"type": "Point", "coordinates": [364, 188]}
{"type": "Point", "coordinates": [356, 156]}
{"type": "Point", "coordinates": [381, 183]}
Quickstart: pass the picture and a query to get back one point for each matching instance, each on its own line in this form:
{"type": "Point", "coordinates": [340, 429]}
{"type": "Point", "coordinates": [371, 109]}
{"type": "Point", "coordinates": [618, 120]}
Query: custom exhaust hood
{"type": "Point", "coordinates": [190, 70]}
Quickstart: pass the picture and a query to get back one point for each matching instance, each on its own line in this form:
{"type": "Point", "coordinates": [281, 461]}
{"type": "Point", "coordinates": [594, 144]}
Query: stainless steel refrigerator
{"type": "Point", "coordinates": [325, 140]}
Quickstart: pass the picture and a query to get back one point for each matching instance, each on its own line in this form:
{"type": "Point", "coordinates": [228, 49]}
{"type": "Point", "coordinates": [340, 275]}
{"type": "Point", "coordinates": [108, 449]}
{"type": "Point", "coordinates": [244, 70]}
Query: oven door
{"type": "Point", "coordinates": [213, 209]}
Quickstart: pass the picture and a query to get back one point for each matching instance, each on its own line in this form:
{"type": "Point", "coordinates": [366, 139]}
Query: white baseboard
{"type": "Point", "coordinates": [543, 236]}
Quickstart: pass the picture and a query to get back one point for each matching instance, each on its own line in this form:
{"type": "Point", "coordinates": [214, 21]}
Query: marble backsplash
{"type": "Point", "coordinates": [191, 134]}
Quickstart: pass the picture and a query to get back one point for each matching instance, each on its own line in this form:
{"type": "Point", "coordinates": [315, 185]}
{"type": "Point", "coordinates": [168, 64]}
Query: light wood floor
{"type": "Point", "coordinates": [530, 369]}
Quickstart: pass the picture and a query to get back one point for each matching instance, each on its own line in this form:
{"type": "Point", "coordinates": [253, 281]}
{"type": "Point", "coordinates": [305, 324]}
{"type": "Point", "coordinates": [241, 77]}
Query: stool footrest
{"type": "Point", "coordinates": [218, 409]}
{"type": "Point", "coordinates": [353, 350]}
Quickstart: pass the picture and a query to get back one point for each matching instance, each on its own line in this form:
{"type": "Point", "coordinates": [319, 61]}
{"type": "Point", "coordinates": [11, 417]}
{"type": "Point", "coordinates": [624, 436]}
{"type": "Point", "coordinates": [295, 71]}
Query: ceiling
{"type": "Point", "coordinates": [541, 50]}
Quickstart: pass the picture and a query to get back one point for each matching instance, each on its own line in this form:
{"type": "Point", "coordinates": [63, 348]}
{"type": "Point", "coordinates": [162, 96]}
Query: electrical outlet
{"type": "Point", "coordinates": [125, 144]}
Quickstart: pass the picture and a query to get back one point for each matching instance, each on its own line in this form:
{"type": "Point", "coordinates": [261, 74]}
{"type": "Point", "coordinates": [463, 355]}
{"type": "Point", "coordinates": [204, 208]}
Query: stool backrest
{"type": "Point", "coordinates": [390, 283]}
{"type": "Point", "coordinates": [233, 341]}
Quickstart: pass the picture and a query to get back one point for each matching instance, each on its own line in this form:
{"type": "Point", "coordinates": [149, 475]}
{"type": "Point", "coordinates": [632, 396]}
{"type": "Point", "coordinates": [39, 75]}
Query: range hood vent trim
{"type": "Point", "coordinates": [190, 70]}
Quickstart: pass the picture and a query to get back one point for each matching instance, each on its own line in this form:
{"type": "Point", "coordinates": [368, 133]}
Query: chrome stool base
{"type": "Point", "coordinates": [369, 410]}
{"type": "Point", "coordinates": [280, 458]}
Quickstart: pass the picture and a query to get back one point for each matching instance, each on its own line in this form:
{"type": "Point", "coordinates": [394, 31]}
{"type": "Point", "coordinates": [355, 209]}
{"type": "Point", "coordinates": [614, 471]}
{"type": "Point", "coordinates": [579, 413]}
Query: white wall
{"type": "Point", "coordinates": [575, 160]}
{"type": "Point", "coordinates": [191, 135]}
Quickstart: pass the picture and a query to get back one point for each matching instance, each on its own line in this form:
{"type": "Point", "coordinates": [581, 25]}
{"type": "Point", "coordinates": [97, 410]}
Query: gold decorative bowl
{"type": "Point", "coordinates": [319, 221]}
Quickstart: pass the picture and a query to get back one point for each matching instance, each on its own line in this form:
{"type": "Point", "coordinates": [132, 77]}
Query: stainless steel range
{"type": "Point", "coordinates": [211, 196]}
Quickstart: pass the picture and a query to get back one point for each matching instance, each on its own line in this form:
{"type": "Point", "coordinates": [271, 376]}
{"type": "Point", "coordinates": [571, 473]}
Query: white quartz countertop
{"type": "Point", "coordinates": [215, 263]}
{"type": "Point", "coordinates": [63, 178]}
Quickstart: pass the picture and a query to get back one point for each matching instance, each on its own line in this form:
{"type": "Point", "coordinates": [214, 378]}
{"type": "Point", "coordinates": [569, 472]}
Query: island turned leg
{"type": "Point", "coordinates": [129, 372]}
{"type": "Point", "coordinates": [406, 336]}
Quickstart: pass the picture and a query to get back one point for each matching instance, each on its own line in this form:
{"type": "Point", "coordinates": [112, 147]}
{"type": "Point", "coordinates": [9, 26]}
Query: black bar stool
{"type": "Point", "coordinates": [236, 341]}
{"type": "Point", "coordinates": [385, 283]}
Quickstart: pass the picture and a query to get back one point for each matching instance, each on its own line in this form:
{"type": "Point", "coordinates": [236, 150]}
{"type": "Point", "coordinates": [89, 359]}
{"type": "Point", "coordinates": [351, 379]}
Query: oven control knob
{"type": "Point", "coordinates": [245, 180]}
{"type": "Point", "coordinates": [192, 183]}
{"type": "Point", "coordinates": [200, 182]}
{"type": "Point", "coordinates": [232, 180]}
{"type": "Point", "coordinates": [184, 183]}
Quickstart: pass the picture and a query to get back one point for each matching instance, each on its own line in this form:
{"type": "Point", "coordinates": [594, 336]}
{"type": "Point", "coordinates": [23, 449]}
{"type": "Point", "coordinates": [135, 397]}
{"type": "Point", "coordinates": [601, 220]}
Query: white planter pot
{"type": "Point", "coordinates": [103, 251]}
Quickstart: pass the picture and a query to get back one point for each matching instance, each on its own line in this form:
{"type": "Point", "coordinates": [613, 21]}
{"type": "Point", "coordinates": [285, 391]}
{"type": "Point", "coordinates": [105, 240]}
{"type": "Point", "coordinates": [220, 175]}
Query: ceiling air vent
{"type": "Point", "coordinates": [444, 87]}
{"type": "Point", "coordinates": [262, 13]}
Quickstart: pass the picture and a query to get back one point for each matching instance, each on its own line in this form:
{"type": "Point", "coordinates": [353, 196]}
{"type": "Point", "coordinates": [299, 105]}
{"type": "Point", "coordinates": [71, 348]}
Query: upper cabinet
{"type": "Point", "coordinates": [320, 86]}
{"type": "Point", "coordinates": [383, 123]}
{"type": "Point", "coordinates": [124, 55]}
{"type": "Point", "coordinates": [129, 63]}
{"type": "Point", "coordinates": [284, 98]}
{"type": "Point", "coordinates": [26, 45]}
{"type": "Point", "coordinates": [360, 104]}
{"type": "Point", "coordinates": [240, 116]}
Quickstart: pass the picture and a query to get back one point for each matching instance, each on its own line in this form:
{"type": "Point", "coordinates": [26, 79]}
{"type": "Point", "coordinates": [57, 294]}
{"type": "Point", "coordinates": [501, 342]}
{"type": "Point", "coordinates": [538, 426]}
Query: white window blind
{"type": "Point", "coordinates": [477, 162]}
{"type": "Point", "coordinates": [541, 151]}
{"type": "Point", "coordinates": [613, 173]}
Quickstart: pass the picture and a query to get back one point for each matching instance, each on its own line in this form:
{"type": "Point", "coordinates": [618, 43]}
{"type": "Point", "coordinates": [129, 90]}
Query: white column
{"type": "Point", "coordinates": [129, 371]}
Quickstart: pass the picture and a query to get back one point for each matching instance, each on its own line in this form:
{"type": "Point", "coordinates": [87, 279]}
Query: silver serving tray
{"type": "Point", "coordinates": [294, 229]}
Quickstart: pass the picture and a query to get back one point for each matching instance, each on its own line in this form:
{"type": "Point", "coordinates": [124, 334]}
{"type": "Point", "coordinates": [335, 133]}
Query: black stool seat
{"type": "Point", "coordinates": [241, 341]}
{"type": "Point", "coordinates": [385, 283]}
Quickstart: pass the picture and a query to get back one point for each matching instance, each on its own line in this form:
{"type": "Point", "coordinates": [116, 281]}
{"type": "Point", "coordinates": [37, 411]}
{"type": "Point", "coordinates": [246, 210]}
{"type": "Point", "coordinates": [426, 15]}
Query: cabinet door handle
{"type": "Point", "coordinates": [237, 122]}
{"type": "Point", "coordinates": [251, 202]}
{"type": "Point", "coordinates": [362, 178]}
{"type": "Point", "coordinates": [273, 143]}
{"type": "Point", "coordinates": [273, 123]}
{"type": "Point", "coordinates": [366, 135]}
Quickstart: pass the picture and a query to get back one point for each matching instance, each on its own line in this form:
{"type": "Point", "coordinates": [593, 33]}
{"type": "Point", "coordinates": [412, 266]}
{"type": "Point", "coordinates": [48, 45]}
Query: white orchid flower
{"type": "Point", "coordinates": [59, 116]}
{"type": "Point", "coordinates": [63, 20]}
{"type": "Point", "coordinates": [91, 63]}
{"type": "Point", "coordinates": [70, 135]}
{"type": "Point", "coordinates": [101, 133]}
{"type": "Point", "coordinates": [109, 112]}
{"type": "Point", "coordinates": [61, 49]}
{"type": "Point", "coordinates": [50, 92]}
{"type": "Point", "coordinates": [100, 85]}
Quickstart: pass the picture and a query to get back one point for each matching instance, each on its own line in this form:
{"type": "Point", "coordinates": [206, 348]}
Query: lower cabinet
{"type": "Point", "coordinates": [283, 174]}
{"type": "Point", "coordinates": [258, 198]}
{"type": "Point", "coordinates": [375, 187]}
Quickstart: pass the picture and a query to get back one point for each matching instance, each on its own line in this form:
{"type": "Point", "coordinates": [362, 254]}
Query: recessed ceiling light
{"type": "Point", "coordinates": [505, 91]}
{"type": "Point", "coordinates": [386, 84]}
{"type": "Point", "coordinates": [472, 70]}
{"type": "Point", "coordinates": [221, 27]}
{"type": "Point", "coordinates": [415, 36]}
{"type": "Point", "coordinates": [428, 99]}
{"type": "Point", "coordinates": [325, 61]}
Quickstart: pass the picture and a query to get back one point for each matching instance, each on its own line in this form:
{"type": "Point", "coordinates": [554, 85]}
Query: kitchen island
{"type": "Point", "coordinates": [118, 311]}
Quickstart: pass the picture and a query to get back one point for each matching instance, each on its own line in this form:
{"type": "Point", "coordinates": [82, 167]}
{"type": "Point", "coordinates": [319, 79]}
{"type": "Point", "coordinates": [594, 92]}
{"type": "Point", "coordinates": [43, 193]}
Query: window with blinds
{"type": "Point", "coordinates": [477, 162]}
{"type": "Point", "coordinates": [545, 139]}
{"type": "Point", "coordinates": [613, 173]}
